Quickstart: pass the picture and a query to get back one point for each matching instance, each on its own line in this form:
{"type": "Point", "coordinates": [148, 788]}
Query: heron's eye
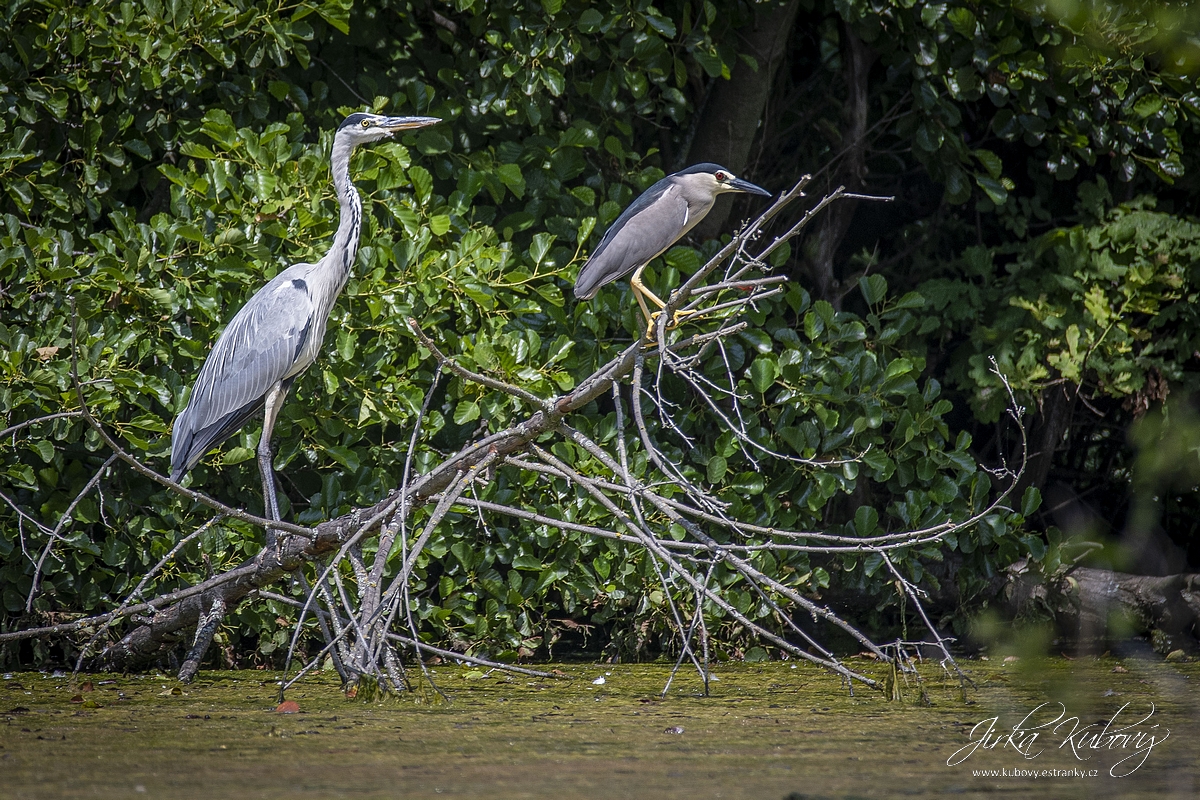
{"type": "Point", "coordinates": [366, 123]}
{"type": "Point", "coordinates": [721, 176]}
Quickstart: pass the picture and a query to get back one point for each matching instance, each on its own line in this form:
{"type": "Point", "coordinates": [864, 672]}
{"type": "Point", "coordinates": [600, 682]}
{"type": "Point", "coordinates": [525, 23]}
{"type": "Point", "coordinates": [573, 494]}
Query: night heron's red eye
{"type": "Point", "coordinates": [721, 176]}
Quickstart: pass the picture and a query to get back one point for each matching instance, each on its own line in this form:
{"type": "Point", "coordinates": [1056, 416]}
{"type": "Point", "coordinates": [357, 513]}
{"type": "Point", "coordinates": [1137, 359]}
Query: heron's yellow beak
{"type": "Point", "coordinates": [397, 124]}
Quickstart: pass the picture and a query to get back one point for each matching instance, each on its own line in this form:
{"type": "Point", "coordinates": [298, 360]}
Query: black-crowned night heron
{"type": "Point", "coordinates": [278, 333]}
{"type": "Point", "coordinates": [660, 217]}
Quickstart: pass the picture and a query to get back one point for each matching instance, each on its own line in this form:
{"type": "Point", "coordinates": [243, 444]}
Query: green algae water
{"type": "Point", "coordinates": [769, 730]}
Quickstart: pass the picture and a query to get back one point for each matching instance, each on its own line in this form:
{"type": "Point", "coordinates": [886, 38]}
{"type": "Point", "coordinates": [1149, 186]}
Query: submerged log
{"type": "Point", "coordinates": [1085, 601]}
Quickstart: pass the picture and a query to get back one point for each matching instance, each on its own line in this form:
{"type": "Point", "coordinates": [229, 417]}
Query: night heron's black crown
{"type": "Point", "coordinates": [707, 166]}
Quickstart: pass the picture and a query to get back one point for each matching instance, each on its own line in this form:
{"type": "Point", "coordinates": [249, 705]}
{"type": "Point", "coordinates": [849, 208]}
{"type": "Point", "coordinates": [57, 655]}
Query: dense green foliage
{"type": "Point", "coordinates": [160, 161]}
{"type": "Point", "coordinates": [1115, 301]}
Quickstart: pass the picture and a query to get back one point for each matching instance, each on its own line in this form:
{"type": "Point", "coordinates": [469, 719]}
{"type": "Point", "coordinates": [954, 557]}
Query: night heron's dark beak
{"type": "Point", "coordinates": [739, 185]}
{"type": "Point", "coordinates": [397, 124]}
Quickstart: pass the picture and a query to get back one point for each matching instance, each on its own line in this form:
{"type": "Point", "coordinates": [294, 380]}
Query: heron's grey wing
{"type": "Point", "coordinates": [258, 349]}
{"type": "Point", "coordinates": [654, 222]}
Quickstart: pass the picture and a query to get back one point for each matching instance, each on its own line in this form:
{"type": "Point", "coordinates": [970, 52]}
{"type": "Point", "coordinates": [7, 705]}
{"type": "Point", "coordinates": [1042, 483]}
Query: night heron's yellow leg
{"type": "Point", "coordinates": [642, 294]}
{"type": "Point", "coordinates": [640, 291]}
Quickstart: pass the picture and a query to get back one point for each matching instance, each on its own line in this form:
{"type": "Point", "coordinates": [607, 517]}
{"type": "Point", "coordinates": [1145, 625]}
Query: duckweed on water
{"type": "Point", "coordinates": [769, 730]}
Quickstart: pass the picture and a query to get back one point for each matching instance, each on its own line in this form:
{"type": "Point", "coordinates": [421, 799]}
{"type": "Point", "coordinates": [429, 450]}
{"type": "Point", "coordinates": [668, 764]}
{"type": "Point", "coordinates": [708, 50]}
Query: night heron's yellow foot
{"type": "Point", "coordinates": [676, 320]}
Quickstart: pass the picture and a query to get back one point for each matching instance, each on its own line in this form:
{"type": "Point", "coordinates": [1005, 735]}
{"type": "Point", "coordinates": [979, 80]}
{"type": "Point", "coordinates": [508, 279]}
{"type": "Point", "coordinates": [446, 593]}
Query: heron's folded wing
{"type": "Point", "coordinates": [654, 222]}
{"type": "Point", "coordinates": [256, 350]}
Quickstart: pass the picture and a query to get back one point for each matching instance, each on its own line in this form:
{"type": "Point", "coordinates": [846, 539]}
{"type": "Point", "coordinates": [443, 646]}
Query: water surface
{"type": "Point", "coordinates": [769, 730]}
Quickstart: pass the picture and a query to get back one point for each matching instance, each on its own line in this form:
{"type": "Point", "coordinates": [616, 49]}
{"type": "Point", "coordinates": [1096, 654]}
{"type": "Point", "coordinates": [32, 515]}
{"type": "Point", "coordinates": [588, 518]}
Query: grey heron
{"type": "Point", "coordinates": [278, 333]}
{"type": "Point", "coordinates": [661, 216]}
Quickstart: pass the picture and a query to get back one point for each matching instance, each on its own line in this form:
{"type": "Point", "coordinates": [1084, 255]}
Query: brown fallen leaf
{"type": "Point", "coordinates": [288, 707]}
{"type": "Point", "coordinates": [46, 353]}
{"type": "Point", "coordinates": [77, 698]}
{"type": "Point", "coordinates": [87, 686]}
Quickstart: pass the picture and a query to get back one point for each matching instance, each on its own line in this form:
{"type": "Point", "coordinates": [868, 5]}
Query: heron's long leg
{"type": "Point", "coordinates": [274, 401]}
{"type": "Point", "coordinates": [640, 291]}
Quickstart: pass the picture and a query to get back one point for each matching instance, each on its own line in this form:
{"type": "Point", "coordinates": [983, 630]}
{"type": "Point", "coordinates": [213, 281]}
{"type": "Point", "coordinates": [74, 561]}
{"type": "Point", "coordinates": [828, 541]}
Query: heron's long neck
{"type": "Point", "coordinates": [345, 241]}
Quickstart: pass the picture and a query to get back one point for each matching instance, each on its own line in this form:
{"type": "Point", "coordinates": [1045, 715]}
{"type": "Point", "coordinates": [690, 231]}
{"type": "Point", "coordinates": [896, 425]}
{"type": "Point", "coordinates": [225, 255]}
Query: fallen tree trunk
{"type": "Point", "coordinates": [160, 632]}
{"type": "Point", "coordinates": [1084, 601]}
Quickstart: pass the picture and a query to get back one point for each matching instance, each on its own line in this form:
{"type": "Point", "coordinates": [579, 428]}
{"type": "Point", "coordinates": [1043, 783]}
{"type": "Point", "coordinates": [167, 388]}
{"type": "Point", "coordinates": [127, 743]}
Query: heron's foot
{"type": "Point", "coordinates": [676, 319]}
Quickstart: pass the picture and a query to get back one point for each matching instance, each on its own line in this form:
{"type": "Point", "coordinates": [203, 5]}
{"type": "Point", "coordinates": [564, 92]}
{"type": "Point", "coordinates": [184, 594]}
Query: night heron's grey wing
{"type": "Point", "coordinates": [259, 348]}
{"type": "Point", "coordinates": [654, 222]}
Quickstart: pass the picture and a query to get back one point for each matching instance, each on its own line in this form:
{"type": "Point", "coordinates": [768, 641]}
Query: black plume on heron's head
{"type": "Point", "coordinates": [355, 119]}
{"type": "Point", "coordinates": [706, 167]}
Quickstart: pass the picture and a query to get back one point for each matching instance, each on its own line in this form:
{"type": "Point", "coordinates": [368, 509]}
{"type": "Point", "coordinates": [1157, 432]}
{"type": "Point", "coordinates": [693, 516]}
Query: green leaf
{"type": "Point", "coordinates": [422, 183]}
{"type": "Point", "coordinates": [898, 366]}
{"type": "Point", "coordinates": [346, 342]}
{"type": "Point", "coordinates": [191, 233]}
{"type": "Point", "coordinates": [590, 21]}
{"type": "Point", "coordinates": [344, 456]}
{"type": "Point", "coordinates": [1030, 501]}
{"type": "Point", "coordinates": [337, 15]}
{"type": "Point", "coordinates": [763, 372]}
{"type": "Point", "coordinates": [466, 411]}
{"type": "Point", "coordinates": [814, 326]}
{"type": "Point", "coordinates": [44, 449]}
{"type": "Point", "coordinates": [195, 150]}
{"type": "Point", "coordinates": [873, 288]}
{"type": "Point", "coordinates": [540, 247]}
{"type": "Point", "coordinates": [510, 175]}
{"type": "Point", "coordinates": [529, 562]}
{"type": "Point", "coordinates": [781, 254]}
{"type": "Point", "coordinates": [866, 520]}
{"type": "Point", "coordinates": [991, 162]}
{"type": "Point", "coordinates": [993, 188]}
{"type": "Point", "coordinates": [138, 148]}
{"type": "Point", "coordinates": [958, 186]}
{"type": "Point", "coordinates": [560, 348]}
{"type": "Point", "coordinates": [716, 469]}
{"type": "Point", "coordinates": [586, 226]}
{"type": "Point", "coordinates": [931, 13]}
{"type": "Point", "coordinates": [1148, 105]}
{"type": "Point", "coordinates": [749, 483]}
{"type": "Point", "coordinates": [963, 21]}
{"type": "Point", "coordinates": [366, 410]}
{"type": "Point", "coordinates": [1035, 545]}
{"type": "Point", "coordinates": [236, 455]}
{"type": "Point", "coordinates": [553, 80]}
{"type": "Point", "coordinates": [602, 566]}
{"type": "Point", "coordinates": [662, 25]}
